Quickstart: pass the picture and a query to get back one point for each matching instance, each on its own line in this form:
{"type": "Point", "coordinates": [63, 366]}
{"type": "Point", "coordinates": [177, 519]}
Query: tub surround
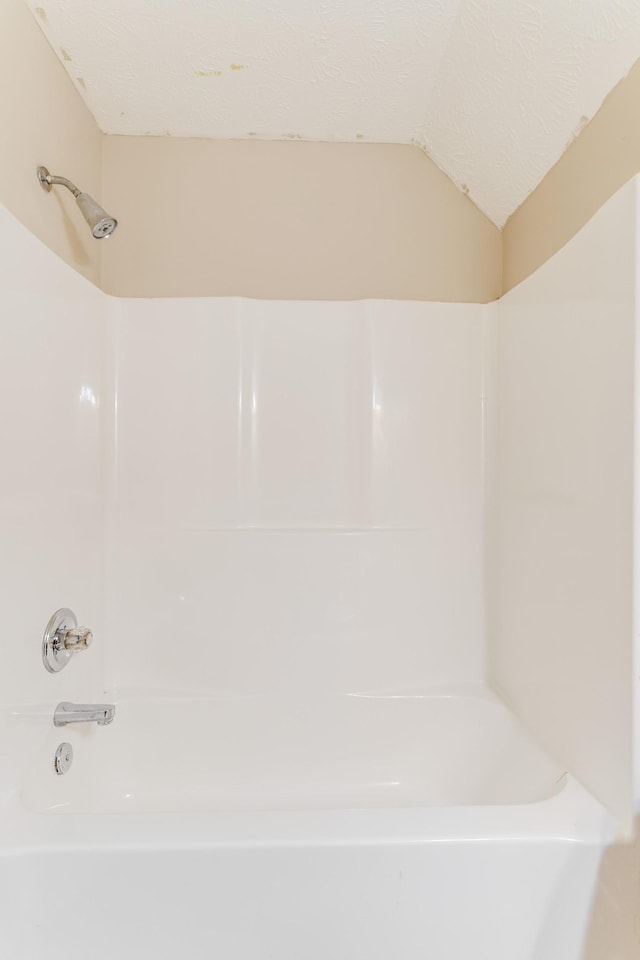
{"type": "Point", "coordinates": [52, 340]}
{"type": "Point", "coordinates": [333, 462]}
{"type": "Point", "coordinates": [310, 488]}
{"type": "Point", "coordinates": [316, 532]}
{"type": "Point", "coordinates": [565, 523]}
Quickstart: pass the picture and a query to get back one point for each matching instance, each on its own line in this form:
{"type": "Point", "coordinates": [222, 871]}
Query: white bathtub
{"type": "Point", "coordinates": [350, 828]}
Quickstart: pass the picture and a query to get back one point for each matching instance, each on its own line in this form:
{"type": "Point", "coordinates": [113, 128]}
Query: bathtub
{"type": "Point", "coordinates": [356, 827]}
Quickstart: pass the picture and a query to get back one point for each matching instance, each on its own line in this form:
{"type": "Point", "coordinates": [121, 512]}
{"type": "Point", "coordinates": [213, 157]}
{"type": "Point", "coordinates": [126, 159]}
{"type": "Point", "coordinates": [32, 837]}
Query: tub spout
{"type": "Point", "coordinates": [100, 713]}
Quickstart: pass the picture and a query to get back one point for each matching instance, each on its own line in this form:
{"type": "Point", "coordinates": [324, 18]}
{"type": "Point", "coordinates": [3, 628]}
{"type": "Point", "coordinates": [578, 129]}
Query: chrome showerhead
{"type": "Point", "coordinates": [102, 225]}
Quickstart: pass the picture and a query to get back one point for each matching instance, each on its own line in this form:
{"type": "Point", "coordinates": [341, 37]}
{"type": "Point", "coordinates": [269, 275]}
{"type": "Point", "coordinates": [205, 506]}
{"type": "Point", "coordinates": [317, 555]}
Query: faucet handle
{"type": "Point", "coordinates": [76, 639]}
{"type": "Point", "coordinates": [62, 638]}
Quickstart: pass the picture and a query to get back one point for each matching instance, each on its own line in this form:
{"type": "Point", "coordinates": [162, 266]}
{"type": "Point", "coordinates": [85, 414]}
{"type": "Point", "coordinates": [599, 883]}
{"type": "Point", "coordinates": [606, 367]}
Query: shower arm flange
{"type": "Point", "coordinates": [47, 181]}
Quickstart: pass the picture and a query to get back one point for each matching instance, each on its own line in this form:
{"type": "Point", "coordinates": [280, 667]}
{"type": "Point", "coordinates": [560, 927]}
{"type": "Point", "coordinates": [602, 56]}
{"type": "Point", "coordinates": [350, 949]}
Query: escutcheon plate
{"type": "Point", "coordinates": [54, 655]}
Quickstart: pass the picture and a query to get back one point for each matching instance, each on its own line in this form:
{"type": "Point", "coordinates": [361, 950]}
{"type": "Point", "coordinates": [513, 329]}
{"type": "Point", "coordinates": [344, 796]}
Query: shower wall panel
{"type": "Point", "coordinates": [561, 584]}
{"type": "Point", "coordinates": [51, 483]}
{"type": "Point", "coordinates": [298, 496]}
{"type": "Point", "coordinates": [241, 495]}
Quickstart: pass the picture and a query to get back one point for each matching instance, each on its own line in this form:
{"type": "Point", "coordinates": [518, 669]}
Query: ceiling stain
{"type": "Point", "coordinates": [237, 66]}
{"type": "Point", "coordinates": [207, 73]}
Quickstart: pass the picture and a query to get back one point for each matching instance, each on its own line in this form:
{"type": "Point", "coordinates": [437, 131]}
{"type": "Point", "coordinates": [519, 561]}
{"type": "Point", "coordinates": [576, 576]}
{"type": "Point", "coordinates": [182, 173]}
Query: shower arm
{"type": "Point", "coordinates": [48, 180]}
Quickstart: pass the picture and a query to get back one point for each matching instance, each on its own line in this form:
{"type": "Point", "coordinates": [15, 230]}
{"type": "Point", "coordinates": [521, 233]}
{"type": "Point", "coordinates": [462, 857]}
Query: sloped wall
{"type": "Point", "coordinates": [44, 120]}
{"type": "Point", "coordinates": [602, 158]}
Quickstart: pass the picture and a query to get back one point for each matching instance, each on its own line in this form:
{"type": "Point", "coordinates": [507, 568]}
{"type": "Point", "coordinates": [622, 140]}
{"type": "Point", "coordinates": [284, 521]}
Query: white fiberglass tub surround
{"type": "Point", "coordinates": [310, 532]}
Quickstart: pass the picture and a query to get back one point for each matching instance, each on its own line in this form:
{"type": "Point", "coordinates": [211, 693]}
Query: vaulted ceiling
{"type": "Point", "coordinates": [492, 90]}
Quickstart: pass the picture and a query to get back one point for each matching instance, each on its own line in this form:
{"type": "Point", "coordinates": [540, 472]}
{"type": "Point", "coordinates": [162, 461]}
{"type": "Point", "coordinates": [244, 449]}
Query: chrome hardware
{"type": "Point", "coordinates": [62, 638]}
{"type": "Point", "coordinates": [102, 225]}
{"type": "Point", "coordinates": [63, 758]}
{"type": "Point", "coordinates": [79, 638]}
{"type": "Point", "coordinates": [100, 713]}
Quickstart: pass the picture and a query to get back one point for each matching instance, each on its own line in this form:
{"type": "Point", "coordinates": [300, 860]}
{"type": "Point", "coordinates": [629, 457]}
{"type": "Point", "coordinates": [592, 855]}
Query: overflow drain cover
{"type": "Point", "coordinates": [63, 758]}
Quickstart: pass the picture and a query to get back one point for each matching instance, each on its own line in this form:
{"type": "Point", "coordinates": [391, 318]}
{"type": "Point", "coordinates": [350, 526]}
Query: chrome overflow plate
{"type": "Point", "coordinates": [62, 638]}
{"type": "Point", "coordinates": [63, 758]}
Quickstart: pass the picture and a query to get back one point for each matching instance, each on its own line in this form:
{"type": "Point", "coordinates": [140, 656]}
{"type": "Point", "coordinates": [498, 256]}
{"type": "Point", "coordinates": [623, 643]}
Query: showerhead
{"type": "Point", "coordinates": [102, 225]}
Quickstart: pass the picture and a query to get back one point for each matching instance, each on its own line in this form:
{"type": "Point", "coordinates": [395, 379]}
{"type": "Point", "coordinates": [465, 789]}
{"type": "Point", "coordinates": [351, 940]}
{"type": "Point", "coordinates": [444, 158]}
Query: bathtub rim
{"type": "Point", "coordinates": [572, 815]}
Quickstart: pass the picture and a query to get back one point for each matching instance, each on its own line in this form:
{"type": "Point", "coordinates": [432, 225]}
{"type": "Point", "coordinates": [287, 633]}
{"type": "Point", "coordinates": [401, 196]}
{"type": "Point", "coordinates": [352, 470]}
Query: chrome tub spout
{"type": "Point", "coordinates": [100, 713]}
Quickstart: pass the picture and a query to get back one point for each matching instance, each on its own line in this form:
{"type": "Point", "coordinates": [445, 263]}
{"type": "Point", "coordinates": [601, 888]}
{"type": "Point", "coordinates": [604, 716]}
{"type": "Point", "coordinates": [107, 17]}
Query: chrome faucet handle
{"type": "Point", "coordinates": [77, 638]}
{"type": "Point", "coordinates": [62, 638]}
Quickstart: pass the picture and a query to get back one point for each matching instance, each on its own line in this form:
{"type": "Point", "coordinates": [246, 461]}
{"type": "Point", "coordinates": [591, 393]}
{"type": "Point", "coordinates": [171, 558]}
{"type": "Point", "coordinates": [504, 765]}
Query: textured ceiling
{"type": "Point", "coordinates": [493, 90]}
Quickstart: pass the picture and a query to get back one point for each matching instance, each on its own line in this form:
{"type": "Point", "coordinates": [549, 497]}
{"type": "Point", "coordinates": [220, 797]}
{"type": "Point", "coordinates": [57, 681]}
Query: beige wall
{"type": "Point", "coordinates": [614, 921]}
{"type": "Point", "coordinates": [291, 220]}
{"type": "Point", "coordinates": [44, 120]}
{"type": "Point", "coordinates": [599, 162]}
